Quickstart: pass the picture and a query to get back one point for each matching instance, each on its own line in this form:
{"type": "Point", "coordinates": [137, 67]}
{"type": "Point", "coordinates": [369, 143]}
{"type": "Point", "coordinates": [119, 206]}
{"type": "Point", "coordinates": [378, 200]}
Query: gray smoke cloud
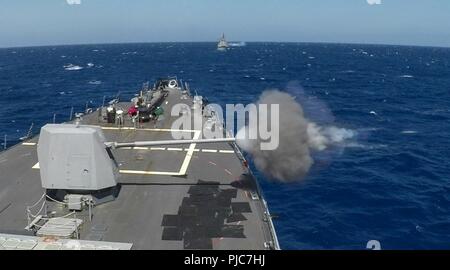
{"type": "Point", "coordinates": [298, 138]}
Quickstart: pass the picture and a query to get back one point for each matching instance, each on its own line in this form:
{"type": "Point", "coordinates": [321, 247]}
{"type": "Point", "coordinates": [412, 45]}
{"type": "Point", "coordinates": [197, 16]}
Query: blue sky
{"type": "Point", "coordinates": [45, 22]}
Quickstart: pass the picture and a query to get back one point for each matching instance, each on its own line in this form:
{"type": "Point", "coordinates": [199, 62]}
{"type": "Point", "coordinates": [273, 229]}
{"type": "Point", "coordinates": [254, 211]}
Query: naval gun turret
{"type": "Point", "coordinates": [76, 161]}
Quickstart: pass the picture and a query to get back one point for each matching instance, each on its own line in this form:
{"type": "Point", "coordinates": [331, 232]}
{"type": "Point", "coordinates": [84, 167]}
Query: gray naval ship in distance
{"type": "Point", "coordinates": [222, 45]}
{"type": "Point", "coordinates": [113, 178]}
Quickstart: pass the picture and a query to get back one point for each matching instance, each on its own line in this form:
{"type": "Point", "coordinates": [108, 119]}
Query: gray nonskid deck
{"type": "Point", "coordinates": [158, 206]}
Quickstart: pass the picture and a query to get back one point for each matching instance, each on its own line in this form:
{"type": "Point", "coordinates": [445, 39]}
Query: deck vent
{"type": "Point", "coordinates": [60, 227]}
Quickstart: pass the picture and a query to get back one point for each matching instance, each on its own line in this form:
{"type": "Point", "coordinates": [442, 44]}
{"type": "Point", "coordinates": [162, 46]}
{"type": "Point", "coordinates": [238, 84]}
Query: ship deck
{"type": "Point", "coordinates": [197, 196]}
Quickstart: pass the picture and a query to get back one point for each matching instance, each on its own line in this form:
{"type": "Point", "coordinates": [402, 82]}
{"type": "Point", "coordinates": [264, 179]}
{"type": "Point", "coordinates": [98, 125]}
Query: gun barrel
{"type": "Point", "coordinates": [167, 142]}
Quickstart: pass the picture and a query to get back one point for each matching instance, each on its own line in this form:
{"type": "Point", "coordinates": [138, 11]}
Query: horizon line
{"type": "Point", "coordinates": [291, 42]}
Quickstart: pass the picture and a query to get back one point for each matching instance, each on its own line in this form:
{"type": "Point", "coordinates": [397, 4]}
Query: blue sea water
{"type": "Point", "coordinates": [388, 182]}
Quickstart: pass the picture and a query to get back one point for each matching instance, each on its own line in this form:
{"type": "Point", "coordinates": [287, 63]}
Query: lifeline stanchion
{"type": "Point", "coordinates": [71, 114]}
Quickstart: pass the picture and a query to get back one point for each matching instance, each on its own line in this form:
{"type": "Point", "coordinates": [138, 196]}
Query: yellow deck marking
{"type": "Point", "coordinates": [36, 166]}
{"type": "Point", "coordinates": [148, 172]}
{"type": "Point", "coordinates": [29, 143]}
{"type": "Point", "coordinates": [150, 129]}
{"type": "Point", "coordinates": [209, 150]}
{"type": "Point", "coordinates": [226, 151]}
{"type": "Point", "coordinates": [189, 154]}
{"type": "Point", "coordinates": [134, 148]}
{"type": "Point", "coordinates": [157, 148]}
{"type": "Point", "coordinates": [180, 149]}
{"type": "Point", "coordinates": [174, 149]}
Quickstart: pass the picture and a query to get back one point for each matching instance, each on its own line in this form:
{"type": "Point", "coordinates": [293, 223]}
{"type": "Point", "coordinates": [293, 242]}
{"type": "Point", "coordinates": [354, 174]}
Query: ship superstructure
{"type": "Point", "coordinates": [223, 44]}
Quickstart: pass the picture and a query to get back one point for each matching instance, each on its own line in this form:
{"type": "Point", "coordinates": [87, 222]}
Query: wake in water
{"type": "Point", "coordinates": [72, 67]}
{"type": "Point", "coordinates": [237, 44]}
{"type": "Point", "coordinates": [298, 138]}
{"type": "Point", "coordinates": [95, 82]}
{"type": "Point", "coordinates": [409, 132]}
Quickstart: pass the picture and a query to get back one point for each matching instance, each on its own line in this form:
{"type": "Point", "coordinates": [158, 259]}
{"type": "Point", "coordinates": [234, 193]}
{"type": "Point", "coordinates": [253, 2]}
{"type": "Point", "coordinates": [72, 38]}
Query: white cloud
{"type": "Point", "coordinates": [374, 2]}
{"type": "Point", "coordinates": [73, 2]}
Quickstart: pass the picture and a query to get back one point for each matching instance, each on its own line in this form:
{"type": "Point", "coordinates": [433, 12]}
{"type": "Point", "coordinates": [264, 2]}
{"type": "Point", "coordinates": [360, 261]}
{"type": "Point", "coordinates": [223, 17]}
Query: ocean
{"type": "Point", "coordinates": [386, 180]}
